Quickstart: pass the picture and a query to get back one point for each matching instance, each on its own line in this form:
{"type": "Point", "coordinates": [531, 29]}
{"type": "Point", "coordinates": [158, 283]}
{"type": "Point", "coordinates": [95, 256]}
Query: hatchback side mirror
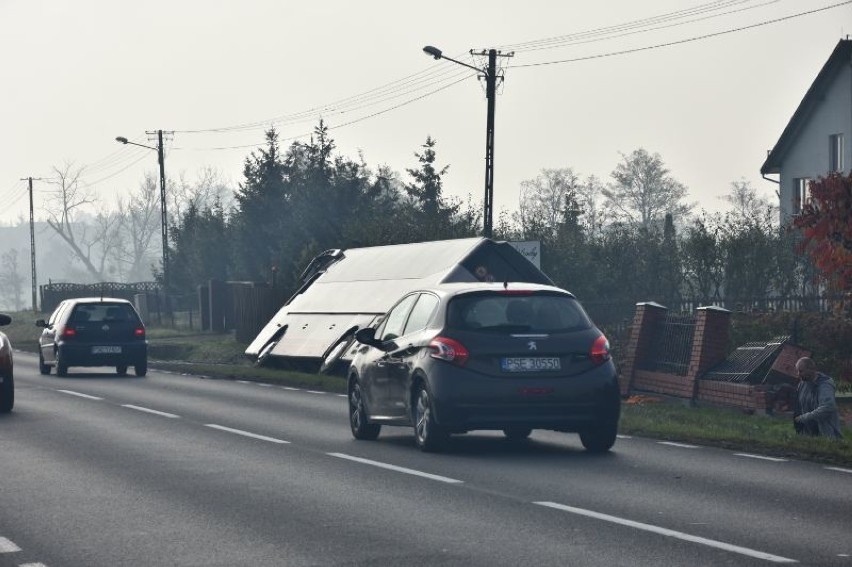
{"type": "Point", "coordinates": [5, 319]}
{"type": "Point", "coordinates": [41, 323]}
{"type": "Point", "coordinates": [366, 336]}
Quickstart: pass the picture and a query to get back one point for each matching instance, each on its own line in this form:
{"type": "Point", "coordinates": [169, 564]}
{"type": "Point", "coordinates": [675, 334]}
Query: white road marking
{"type": "Point", "coordinates": [624, 436]}
{"type": "Point", "coordinates": [32, 565]}
{"type": "Point", "coordinates": [838, 469]}
{"type": "Point", "coordinates": [761, 457]}
{"type": "Point", "coordinates": [8, 546]}
{"type": "Point", "coordinates": [681, 445]}
{"type": "Point", "coordinates": [291, 389]}
{"type": "Point", "coordinates": [244, 382]}
{"type": "Point", "coordinates": [314, 392]}
{"type": "Point", "coordinates": [439, 478]}
{"type": "Point", "coordinates": [149, 410]}
{"type": "Point", "coordinates": [342, 396]}
{"type": "Point", "coordinates": [669, 533]}
{"type": "Point", "coordinates": [79, 395]}
{"type": "Point", "coordinates": [264, 385]}
{"type": "Point", "coordinates": [245, 433]}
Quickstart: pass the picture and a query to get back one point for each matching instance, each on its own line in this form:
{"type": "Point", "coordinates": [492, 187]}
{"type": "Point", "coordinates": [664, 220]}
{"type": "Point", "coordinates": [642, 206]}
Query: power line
{"type": "Point", "coordinates": [625, 26]}
{"type": "Point", "coordinates": [414, 82]}
{"type": "Point", "coordinates": [571, 41]}
{"type": "Point", "coordinates": [682, 41]}
{"type": "Point", "coordinates": [355, 121]}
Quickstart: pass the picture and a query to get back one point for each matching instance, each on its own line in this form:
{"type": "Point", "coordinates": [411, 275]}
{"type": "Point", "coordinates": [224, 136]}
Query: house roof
{"type": "Point", "coordinates": [842, 55]}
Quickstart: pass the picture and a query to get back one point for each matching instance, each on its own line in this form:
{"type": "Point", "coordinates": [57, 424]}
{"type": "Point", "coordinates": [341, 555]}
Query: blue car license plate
{"type": "Point", "coordinates": [530, 364]}
{"type": "Point", "coordinates": [106, 350]}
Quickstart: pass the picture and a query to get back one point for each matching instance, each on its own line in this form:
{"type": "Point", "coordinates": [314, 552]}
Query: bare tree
{"type": "Point", "coordinates": [644, 191]}
{"type": "Point", "coordinates": [140, 227]}
{"type": "Point", "coordinates": [745, 202]}
{"type": "Point", "coordinates": [11, 280]}
{"type": "Point", "coordinates": [67, 207]}
{"type": "Point", "coordinates": [208, 189]}
{"type": "Point", "coordinates": [543, 199]}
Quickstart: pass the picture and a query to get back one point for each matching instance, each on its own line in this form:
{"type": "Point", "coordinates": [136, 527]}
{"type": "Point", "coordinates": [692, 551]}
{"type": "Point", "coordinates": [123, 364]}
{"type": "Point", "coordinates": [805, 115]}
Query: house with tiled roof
{"type": "Point", "coordinates": [816, 140]}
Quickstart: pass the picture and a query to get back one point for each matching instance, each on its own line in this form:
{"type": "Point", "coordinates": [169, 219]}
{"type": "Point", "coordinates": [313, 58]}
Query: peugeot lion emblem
{"type": "Point", "coordinates": [532, 345]}
{"type": "Point", "coordinates": [105, 328]}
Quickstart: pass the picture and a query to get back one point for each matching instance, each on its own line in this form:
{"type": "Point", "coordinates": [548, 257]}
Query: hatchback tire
{"type": "Point", "coordinates": [7, 394]}
{"type": "Point", "coordinates": [428, 435]}
{"type": "Point", "coordinates": [121, 370]}
{"type": "Point", "coordinates": [359, 419]}
{"type": "Point", "coordinates": [61, 367]}
{"type": "Point", "coordinates": [600, 438]}
{"type": "Point", "coordinates": [42, 367]}
{"type": "Point", "coordinates": [141, 369]}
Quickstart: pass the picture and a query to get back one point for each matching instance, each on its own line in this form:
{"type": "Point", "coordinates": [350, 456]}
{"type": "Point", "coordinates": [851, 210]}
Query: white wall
{"type": "Point", "coordinates": [809, 154]}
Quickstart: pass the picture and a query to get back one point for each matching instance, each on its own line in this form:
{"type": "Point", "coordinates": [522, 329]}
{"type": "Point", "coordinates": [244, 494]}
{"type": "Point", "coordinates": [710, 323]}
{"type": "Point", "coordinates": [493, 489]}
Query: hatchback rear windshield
{"type": "Point", "coordinates": [538, 312]}
{"type": "Point", "coordinates": [103, 313]}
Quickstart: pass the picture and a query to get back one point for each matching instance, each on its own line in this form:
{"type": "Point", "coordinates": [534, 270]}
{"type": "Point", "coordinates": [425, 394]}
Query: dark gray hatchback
{"type": "Point", "coordinates": [93, 331]}
{"type": "Point", "coordinates": [461, 357]}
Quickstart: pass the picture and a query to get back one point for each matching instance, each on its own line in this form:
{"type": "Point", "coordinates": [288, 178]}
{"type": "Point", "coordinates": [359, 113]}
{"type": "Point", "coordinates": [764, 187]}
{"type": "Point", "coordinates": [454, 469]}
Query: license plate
{"type": "Point", "coordinates": [530, 364]}
{"type": "Point", "coordinates": [106, 350]}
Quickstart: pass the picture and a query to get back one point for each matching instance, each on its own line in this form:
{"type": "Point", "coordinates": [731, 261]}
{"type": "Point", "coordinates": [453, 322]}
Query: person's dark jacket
{"type": "Point", "coordinates": [817, 408]}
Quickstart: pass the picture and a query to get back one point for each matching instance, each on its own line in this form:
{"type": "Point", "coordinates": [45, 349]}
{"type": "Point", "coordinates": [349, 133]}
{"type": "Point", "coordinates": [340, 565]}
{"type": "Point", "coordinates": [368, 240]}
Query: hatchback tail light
{"type": "Point", "coordinates": [139, 332]}
{"type": "Point", "coordinates": [450, 350]}
{"type": "Point", "coordinates": [600, 350]}
{"type": "Point", "coordinates": [69, 332]}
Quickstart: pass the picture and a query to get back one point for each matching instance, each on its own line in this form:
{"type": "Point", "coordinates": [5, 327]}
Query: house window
{"type": "Point", "coordinates": [835, 152]}
{"type": "Point", "coordinates": [800, 194]}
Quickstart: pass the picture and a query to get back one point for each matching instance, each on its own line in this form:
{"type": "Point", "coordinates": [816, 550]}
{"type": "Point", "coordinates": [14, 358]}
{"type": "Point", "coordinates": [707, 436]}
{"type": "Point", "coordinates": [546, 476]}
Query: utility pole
{"type": "Point", "coordinates": [164, 217]}
{"type": "Point", "coordinates": [490, 94]}
{"type": "Point", "coordinates": [490, 75]}
{"type": "Point", "coordinates": [32, 245]}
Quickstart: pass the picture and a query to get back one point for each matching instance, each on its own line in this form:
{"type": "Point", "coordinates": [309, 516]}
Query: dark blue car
{"type": "Point", "coordinates": [462, 357]}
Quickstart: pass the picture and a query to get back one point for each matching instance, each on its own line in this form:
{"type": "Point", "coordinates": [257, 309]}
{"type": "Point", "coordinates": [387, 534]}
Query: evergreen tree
{"type": "Point", "coordinates": [262, 213]}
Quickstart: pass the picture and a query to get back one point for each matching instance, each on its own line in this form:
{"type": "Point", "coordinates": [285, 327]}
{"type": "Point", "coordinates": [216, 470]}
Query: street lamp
{"type": "Point", "coordinates": [164, 217]}
{"type": "Point", "coordinates": [490, 74]}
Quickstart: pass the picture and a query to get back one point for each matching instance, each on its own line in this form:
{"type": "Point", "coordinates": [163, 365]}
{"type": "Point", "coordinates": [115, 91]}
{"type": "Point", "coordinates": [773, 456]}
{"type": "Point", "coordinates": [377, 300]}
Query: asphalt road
{"type": "Point", "coordinates": [180, 470]}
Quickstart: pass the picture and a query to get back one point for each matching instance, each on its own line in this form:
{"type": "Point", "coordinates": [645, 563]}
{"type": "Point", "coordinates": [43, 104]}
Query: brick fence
{"type": "Point", "coordinates": [712, 328]}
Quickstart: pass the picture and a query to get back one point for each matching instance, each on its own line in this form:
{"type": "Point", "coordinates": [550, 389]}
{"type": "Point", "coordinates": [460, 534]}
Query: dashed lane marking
{"type": "Point", "coordinates": [669, 533]}
{"type": "Point", "coordinates": [245, 433]}
{"type": "Point", "coordinates": [414, 472]}
{"type": "Point", "coordinates": [151, 411]}
{"type": "Point", "coordinates": [314, 392]}
{"type": "Point", "coordinates": [8, 546]}
{"type": "Point", "coordinates": [838, 469]}
{"type": "Point", "coordinates": [681, 445]}
{"type": "Point", "coordinates": [32, 565]}
{"type": "Point", "coordinates": [761, 457]}
{"type": "Point", "coordinates": [79, 395]}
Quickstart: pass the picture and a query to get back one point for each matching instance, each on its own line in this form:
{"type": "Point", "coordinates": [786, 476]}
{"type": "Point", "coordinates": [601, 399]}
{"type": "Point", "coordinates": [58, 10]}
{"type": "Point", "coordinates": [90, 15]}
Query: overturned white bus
{"type": "Point", "coordinates": [344, 291]}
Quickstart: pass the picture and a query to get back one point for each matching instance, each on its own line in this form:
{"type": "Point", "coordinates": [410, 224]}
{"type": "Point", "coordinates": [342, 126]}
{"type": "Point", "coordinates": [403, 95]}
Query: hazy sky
{"type": "Point", "coordinates": [77, 74]}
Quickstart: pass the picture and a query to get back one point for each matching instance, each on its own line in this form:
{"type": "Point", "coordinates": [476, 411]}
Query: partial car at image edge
{"type": "Point", "coordinates": [7, 379]}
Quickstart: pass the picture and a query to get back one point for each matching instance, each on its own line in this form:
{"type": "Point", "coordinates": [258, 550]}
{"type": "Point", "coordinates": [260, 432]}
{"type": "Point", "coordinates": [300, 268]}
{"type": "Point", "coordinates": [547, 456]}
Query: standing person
{"type": "Point", "coordinates": [816, 409]}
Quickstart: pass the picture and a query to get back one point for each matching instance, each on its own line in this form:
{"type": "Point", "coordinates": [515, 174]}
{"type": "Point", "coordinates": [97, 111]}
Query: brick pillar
{"type": "Point", "coordinates": [641, 331]}
{"type": "Point", "coordinates": [710, 342]}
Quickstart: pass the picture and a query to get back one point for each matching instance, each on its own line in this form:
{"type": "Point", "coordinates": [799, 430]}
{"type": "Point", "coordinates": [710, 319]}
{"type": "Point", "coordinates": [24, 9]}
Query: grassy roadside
{"type": "Point", "coordinates": [221, 357]}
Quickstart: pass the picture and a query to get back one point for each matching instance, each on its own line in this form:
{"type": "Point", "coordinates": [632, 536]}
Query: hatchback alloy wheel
{"type": "Point", "coordinates": [428, 435]}
{"type": "Point", "coordinates": [361, 428]}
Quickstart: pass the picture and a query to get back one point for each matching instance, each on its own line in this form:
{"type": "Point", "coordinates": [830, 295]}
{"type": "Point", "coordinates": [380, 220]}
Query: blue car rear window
{"type": "Point", "coordinates": [103, 313]}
